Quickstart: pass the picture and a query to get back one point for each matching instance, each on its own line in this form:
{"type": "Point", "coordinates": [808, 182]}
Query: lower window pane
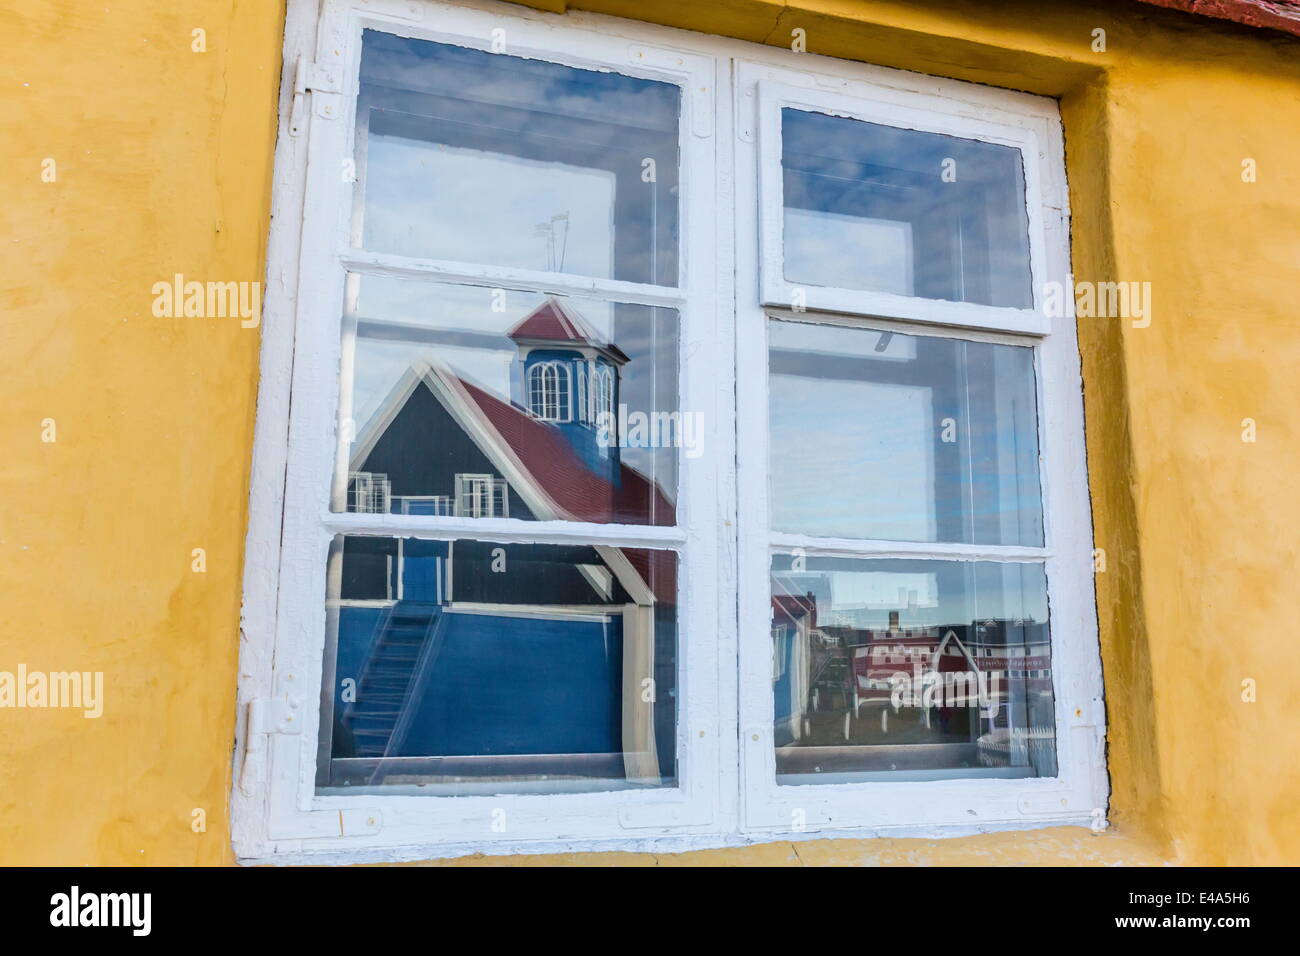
{"type": "Point", "coordinates": [910, 670]}
{"type": "Point", "coordinates": [468, 667]}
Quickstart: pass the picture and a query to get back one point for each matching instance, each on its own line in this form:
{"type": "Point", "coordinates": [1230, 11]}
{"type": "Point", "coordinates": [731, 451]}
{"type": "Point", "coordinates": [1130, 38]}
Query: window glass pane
{"type": "Point", "coordinates": [898, 210]}
{"type": "Point", "coordinates": [498, 403]}
{"type": "Point", "coordinates": [471, 667]}
{"type": "Point", "coordinates": [902, 437]}
{"type": "Point", "coordinates": [507, 161]}
{"type": "Point", "coordinates": [910, 670]}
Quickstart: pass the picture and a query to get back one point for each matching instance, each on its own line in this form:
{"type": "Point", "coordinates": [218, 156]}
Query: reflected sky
{"type": "Point", "coordinates": [507, 161]}
{"type": "Point", "coordinates": [869, 207]}
{"type": "Point", "coordinates": [409, 208]}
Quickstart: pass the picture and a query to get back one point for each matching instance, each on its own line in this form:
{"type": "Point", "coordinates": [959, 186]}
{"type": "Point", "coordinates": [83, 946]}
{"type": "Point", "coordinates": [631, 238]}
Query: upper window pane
{"type": "Point", "coordinates": [497, 403]}
{"type": "Point", "coordinates": [883, 209]}
{"type": "Point", "coordinates": [506, 161]}
{"type": "Point", "coordinates": [902, 437]}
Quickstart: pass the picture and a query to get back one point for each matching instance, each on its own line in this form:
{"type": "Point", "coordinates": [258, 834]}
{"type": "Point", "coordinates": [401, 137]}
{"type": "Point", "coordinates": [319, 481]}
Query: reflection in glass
{"type": "Point", "coordinates": [500, 160]}
{"type": "Point", "coordinates": [902, 437]}
{"type": "Point", "coordinates": [910, 670]}
{"type": "Point", "coordinates": [471, 667]}
{"type": "Point", "coordinates": [898, 210]}
{"type": "Point", "coordinates": [481, 402]}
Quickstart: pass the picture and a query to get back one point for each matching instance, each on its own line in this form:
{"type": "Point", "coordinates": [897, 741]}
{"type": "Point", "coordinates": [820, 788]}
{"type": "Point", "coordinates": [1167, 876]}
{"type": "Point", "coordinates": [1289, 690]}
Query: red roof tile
{"type": "Point", "coordinates": [1281, 15]}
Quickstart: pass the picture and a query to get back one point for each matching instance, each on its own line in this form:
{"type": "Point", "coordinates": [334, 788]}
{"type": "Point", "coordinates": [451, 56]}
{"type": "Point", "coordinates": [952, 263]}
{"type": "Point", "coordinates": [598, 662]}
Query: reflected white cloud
{"type": "Point", "coordinates": [821, 248]}
{"type": "Point", "coordinates": [440, 202]}
{"type": "Point", "coordinates": [508, 161]}
{"type": "Point", "coordinates": [841, 472]}
{"type": "Point", "coordinates": [888, 209]}
{"type": "Point", "coordinates": [901, 437]}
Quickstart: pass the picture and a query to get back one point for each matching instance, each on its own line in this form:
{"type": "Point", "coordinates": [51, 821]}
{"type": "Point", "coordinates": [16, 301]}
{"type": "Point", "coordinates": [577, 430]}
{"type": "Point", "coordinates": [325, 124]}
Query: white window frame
{"type": "Point", "coordinates": [1078, 794]}
{"type": "Point", "coordinates": [725, 760]}
{"type": "Point", "coordinates": [275, 807]}
{"type": "Point", "coordinates": [367, 488]}
{"type": "Point", "coordinates": [919, 111]}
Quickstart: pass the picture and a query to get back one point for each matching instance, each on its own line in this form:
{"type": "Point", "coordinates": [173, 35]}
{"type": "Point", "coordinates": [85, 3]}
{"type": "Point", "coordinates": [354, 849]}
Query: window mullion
{"type": "Point", "coordinates": [559, 283]}
{"type": "Point", "coordinates": [865, 547]}
{"type": "Point", "coordinates": [951, 329]}
{"type": "Point", "coordinates": [506, 530]}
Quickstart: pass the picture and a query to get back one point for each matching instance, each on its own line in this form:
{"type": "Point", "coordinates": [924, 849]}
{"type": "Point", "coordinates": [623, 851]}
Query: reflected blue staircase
{"type": "Point", "coordinates": [383, 692]}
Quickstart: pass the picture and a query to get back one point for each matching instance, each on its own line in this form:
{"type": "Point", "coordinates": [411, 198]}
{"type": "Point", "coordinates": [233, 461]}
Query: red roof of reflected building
{"type": "Point", "coordinates": [790, 607]}
{"type": "Point", "coordinates": [553, 321]}
{"type": "Point", "coordinates": [581, 495]}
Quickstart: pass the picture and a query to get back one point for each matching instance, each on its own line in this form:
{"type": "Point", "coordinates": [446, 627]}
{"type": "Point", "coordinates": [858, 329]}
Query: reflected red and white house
{"type": "Point", "coordinates": [986, 684]}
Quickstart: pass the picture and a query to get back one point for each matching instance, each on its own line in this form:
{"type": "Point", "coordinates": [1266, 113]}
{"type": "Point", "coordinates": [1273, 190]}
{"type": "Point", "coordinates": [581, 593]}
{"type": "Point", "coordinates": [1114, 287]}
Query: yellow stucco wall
{"type": "Point", "coordinates": [164, 165]}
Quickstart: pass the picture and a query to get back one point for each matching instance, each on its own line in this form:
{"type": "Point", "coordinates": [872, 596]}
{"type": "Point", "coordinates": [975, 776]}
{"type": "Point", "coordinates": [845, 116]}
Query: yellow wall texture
{"type": "Point", "coordinates": [164, 166]}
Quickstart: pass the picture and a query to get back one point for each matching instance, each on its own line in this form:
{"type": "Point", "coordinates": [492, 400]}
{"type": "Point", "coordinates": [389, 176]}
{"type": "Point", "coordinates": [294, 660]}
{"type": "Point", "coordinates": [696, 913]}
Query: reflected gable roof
{"type": "Point", "coordinates": [555, 322]}
{"type": "Point", "coordinates": [534, 458]}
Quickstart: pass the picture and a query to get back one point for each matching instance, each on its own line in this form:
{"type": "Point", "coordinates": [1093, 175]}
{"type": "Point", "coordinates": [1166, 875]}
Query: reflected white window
{"type": "Point", "coordinates": [548, 391]}
{"type": "Point", "coordinates": [369, 493]}
{"type": "Point", "coordinates": [580, 383]}
{"type": "Point", "coordinates": [482, 496]}
{"type": "Point", "coordinates": [425, 505]}
{"type": "Point", "coordinates": [605, 393]}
